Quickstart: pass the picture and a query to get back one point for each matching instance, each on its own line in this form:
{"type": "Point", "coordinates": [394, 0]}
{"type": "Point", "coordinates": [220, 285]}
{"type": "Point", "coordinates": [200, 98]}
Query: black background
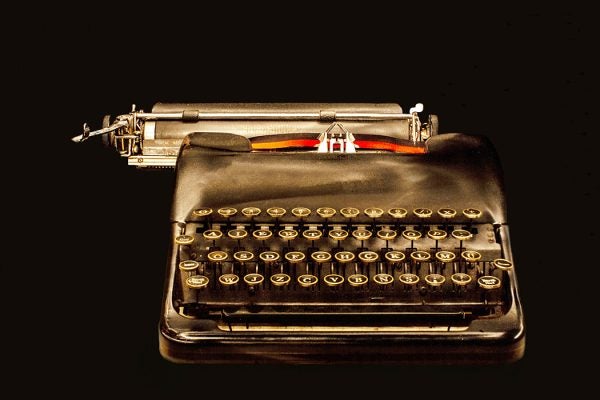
{"type": "Point", "coordinates": [521, 77]}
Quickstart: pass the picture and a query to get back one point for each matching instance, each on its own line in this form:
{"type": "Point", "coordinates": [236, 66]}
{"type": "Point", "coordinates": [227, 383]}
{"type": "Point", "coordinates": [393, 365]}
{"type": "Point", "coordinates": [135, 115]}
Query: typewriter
{"type": "Point", "coordinates": [328, 233]}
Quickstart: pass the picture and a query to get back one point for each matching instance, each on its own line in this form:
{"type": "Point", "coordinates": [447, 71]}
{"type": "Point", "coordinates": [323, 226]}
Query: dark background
{"type": "Point", "coordinates": [522, 77]}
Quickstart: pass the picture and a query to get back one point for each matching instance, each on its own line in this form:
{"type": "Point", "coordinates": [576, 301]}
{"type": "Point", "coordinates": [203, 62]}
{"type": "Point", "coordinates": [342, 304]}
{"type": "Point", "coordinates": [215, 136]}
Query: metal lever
{"type": "Point", "coordinates": [328, 140]}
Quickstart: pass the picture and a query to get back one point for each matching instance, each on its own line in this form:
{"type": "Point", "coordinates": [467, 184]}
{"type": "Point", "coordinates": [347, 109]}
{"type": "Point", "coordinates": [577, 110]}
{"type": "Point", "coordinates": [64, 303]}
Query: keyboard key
{"type": "Point", "coordinates": [445, 256]}
{"type": "Point", "coordinates": [243, 256]}
{"type": "Point", "coordinates": [333, 279]}
{"type": "Point", "coordinates": [373, 212]}
{"type": "Point", "coordinates": [502, 264]}
{"type": "Point", "coordinates": [295, 256]}
{"type": "Point", "coordinates": [350, 212]}
{"type": "Point", "coordinates": [362, 234]}
{"type": "Point", "coordinates": [188, 265]}
{"type": "Point", "coordinates": [471, 255]}
{"type": "Point", "coordinates": [344, 256]}
{"type": "Point", "coordinates": [312, 234]}
{"type": "Point", "coordinates": [357, 280]}
{"type": "Point", "coordinates": [488, 282]}
{"type": "Point", "coordinates": [237, 234]}
{"type": "Point", "coordinates": [422, 212]}
{"type": "Point", "coordinates": [437, 234]}
{"type": "Point", "coordinates": [368, 256]}
{"type": "Point", "coordinates": [227, 212]}
{"type": "Point", "coordinates": [196, 281]}
{"type": "Point", "coordinates": [472, 213]}
{"type": "Point", "coordinates": [383, 279]}
{"type": "Point", "coordinates": [321, 256]}
{"type": "Point", "coordinates": [288, 234]}
{"type": "Point", "coordinates": [301, 212]}
{"type": "Point", "coordinates": [435, 280]}
{"type": "Point", "coordinates": [276, 212]}
{"type": "Point", "coordinates": [461, 279]}
{"type": "Point", "coordinates": [411, 235]}
{"type": "Point", "coordinates": [184, 239]}
{"type": "Point", "coordinates": [251, 211]}
{"type": "Point", "coordinates": [447, 212]}
{"type": "Point", "coordinates": [253, 279]}
{"type": "Point", "coordinates": [338, 234]}
{"type": "Point", "coordinates": [212, 234]}
{"type": "Point", "coordinates": [409, 279]}
{"type": "Point", "coordinates": [280, 279]}
{"type": "Point", "coordinates": [420, 256]}
{"type": "Point", "coordinates": [262, 234]}
{"type": "Point", "coordinates": [387, 234]}
{"type": "Point", "coordinates": [307, 280]}
{"type": "Point", "coordinates": [269, 256]}
{"type": "Point", "coordinates": [397, 213]}
{"type": "Point", "coordinates": [395, 256]}
{"type": "Point", "coordinates": [217, 256]}
{"type": "Point", "coordinates": [228, 279]}
{"type": "Point", "coordinates": [202, 212]}
{"type": "Point", "coordinates": [326, 212]}
{"type": "Point", "coordinates": [461, 234]}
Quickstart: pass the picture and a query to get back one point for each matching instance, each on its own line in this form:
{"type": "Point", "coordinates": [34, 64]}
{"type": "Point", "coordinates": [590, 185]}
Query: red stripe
{"type": "Point", "coordinates": [363, 144]}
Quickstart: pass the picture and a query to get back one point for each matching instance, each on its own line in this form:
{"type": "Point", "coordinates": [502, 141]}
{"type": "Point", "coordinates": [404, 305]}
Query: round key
{"type": "Point", "coordinates": [188, 265]}
{"type": "Point", "coordinates": [471, 255]}
{"type": "Point", "coordinates": [397, 213]}
{"type": "Point", "coordinates": [472, 213]}
{"type": "Point", "coordinates": [321, 256]}
{"type": "Point", "coordinates": [445, 256]}
{"type": "Point", "coordinates": [333, 279]}
{"type": "Point", "coordinates": [488, 282]}
{"type": "Point", "coordinates": [461, 279]}
{"type": "Point", "coordinates": [361, 234]}
{"type": "Point", "coordinates": [435, 279]}
{"type": "Point", "coordinates": [276, 212]}
{"type": "Point", "coordinates": [301, 212]}
{"type": "Point", "coordinates": [307, 280]}
{"type": "Point", "coordinates": [368, 256]}
{"type": "Point", "coordinates": [312, 234]}
{"type": "Point", "coordinates": [373, 212]}
{"type": "Point", "coordinates": [212, 234]}
{"type": "Point", "coordinates": [386, 234]}
{"type": "Point", "coordinates": [437, 234]}
{"type": "Point", "coordinates": [217, 256]}
{"type": "Point", "coordinates": [253, 279]}
{"type": "Point", "coordinates": [422, 212]}
{"type": "Point", "coordinates": [350, 212]}
{"type": "Point", "coordinates": [447, 212]}
{"type": "Point", "coordinates": [262, 234]}
{"type": "Point", "coordinates": [344, 256]}
{"type": "Point", "coordinates": [243, 256]}
{"type": "Point", "coordinates": [409, 279]}
{"type": "Point", "coordinates": [295, 256]}
{"type": "Point", "coordinates": [184, 239]}
{"type": "Point", "coordinates": [420, 256]}
{"type": "Point", "coordinates": [338, 234]}
{"type": "Point", "coordinates": [461, 234]}
{"type": "Point", "coordinates": [502, 264]}
{"type": "Point", "coordinates": [197, 281]}
{"type": "Point", "coordinates": [410, 234]}
{"type": "Point", "coordinates": [326, 212]}
{"type": "Point", "coordinates": [202, 212]}
{"type": "Point", "coordinates": [394, 256]}
{"type": "Point", "coordinates": [228, 279]}
{"type": "Point", "coordinates": [251, 211]}
{"type": "Point", "coordinates": [383, 279]}
{"type": "Point", "coordinates": [280, 279]}
{"type": "Point", "coordinates": [357, 280]}
{"type": "Point", "coordinates": [227, 212]}
{"type": "Point", "coordinates": [237, 233]}
{"type": "Point", "coordinates": [269, 256]}
{"type": "Point", "coordinates": [288, 234]}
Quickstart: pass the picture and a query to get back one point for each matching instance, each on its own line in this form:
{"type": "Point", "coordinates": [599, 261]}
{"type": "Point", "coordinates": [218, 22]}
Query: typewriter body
{"type": "Point", "coordinates": [317, 233]}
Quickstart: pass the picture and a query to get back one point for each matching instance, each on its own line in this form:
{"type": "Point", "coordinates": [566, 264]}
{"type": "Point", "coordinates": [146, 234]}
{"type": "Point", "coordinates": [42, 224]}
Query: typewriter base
{"type": "Point", "coordinates": [293, 353]}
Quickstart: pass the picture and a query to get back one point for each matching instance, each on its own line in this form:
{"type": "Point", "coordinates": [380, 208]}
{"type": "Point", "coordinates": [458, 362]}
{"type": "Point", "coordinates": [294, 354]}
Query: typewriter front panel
{"type": "Point", "coordinates": [306, 257]}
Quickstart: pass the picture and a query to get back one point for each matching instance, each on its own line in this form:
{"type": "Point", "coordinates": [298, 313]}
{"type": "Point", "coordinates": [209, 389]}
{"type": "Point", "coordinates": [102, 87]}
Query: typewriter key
{"type": "Point", "coordinates": [197, 281]}
{"type": "Point", "coordinates": [338, 234]}
{"type": "Point", "coordinates": [326, 212]}
{"type": "Point", "coordinates": [295, 256]}
{"type": "Point", "coordinates": [411, 234]}
{"type": "Point", "coordinates": [333, 279]}
{"type": "Point", "coordinates": [217, 256]}
{"type": "Point", "coordinates": [472, 213]}
{"type": "Point", "coordinates": [445, 256]}
{"type": "Point", "coordinates": [397, 212]}
{"type": "Point", "coordinates": [461, 279]}
{"type": "Point", "coordinates": [447, 212]}
{"type": "Point", "coordinates": [394, 256]}
{"type": "Point", "coordinates": [288, 234]}
{"type": "Point", "coordinates": [237, 234]}
{"type": "Point", "coordinates": [437, 234]}
{"type": "Point", "coordinates": [420, 256]}
{"type": "Point", "coordinates": [262, 234]}
{"type": "Point", "coordinates": [350, 212]}
{"type": "Point", "coordinates": [357, 280]}
{"type": "Point", "coordinates": [212, 234]}
{"type": "Point", "coordinates": [422, 212]}
{"type": "Point", "coordinates": [321, 256]}
{"type": "Point", "coordinates": [435, 280]}
{"type": "Point", "coordinates": [269, 256]}
{"type": "Point", "coordinates": [368, 256]}
{"type": "Point", "coordinates": [373, 212]}
{"type": "Point", "coordinates": [280, 279]}
{"type": "Point", "coordinates": [243, 256]}
{"type": "Point", "coordinates": [188, 265]}
{"type": "Point", "coordinates": [276, 212]}
{"type": "Point", "coordinates": [488, 282]}
{"type": "Point", "coordinates": [502, 264]}
{"type": "Point", "coordinates": [344, 256]}
{"type": "Point", "coordinates": [409, 279]}
{"type": "Point", "coordinates": [461, 234]}
{"type": "Point", "coordinates": [301, 212]}
{"type": "Point", "coordinates": [312, 234]}
{"type": "Point", "coordinates": [361, 234]}
{"type": "Point", "coordinates": [471, 255]}
{"type": "Point", "coordinates": [227, 212]}
{"type": "Point", "coordinates": [202, 212]}
{"type": "Point", "coordinates": [251, 211]}
{"type": "Point", "coordinates": [386, 234]}
{"type": "Point", "coordinates": [307, 280]}
{"type": "Point", "coordinates": [253, 279]}
{"type": "Point", "coordinates": [228, 279]}
{"type": "Point", "coordinates": [383, 279]}
{"type": "Point", "coordinates": [184, 239]}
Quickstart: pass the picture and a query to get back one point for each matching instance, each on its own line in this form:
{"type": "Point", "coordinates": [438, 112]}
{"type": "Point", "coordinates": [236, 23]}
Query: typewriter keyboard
{"type": "Point", "coordinates": [253, 266]}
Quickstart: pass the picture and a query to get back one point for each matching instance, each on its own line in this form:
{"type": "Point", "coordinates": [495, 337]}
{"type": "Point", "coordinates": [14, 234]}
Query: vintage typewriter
{"type": "Point", "coordinates": [313, 233]}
